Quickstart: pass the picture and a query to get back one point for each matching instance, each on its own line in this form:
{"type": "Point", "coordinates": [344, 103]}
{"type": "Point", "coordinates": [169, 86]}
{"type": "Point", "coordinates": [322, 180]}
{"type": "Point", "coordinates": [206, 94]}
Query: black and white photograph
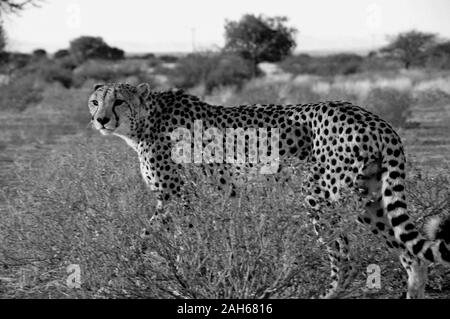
{"type": "Point", "coordinates": [241, 150]}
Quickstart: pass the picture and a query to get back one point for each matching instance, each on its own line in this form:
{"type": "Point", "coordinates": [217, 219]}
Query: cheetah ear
{"type": "Point", "coordinates": [97, 86]}
{"type": "Point", "coordinates": [143, 90]}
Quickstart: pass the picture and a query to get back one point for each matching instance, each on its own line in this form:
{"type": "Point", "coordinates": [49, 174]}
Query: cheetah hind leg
{"type": "Point", "coordinates": [375, 218]}
{"type": "Point", "coordinates": [417, 275]}
{"type": "Point", "coordinates": [415, 268]}
{"type": "Point", "coordinates": [342, 270]}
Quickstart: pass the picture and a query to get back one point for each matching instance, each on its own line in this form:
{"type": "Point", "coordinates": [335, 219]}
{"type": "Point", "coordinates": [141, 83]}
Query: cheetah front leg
{"type": "Point", "coordinates": [342, 270]}
{"type": "Point", "coordinates": [162, 176]}
{"type": "Point", "coordinates": [161, 219]}
{"type": "Point", "coordinates": [158, 221]}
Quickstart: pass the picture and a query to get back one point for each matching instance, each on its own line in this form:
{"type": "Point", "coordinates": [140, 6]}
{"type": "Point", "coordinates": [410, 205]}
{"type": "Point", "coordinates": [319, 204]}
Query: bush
{"type": "Point", "coordinates": [98, 208]}
{"type": "Point", "coordinates": [212, 70]}
{"type": "Point", "coordinates": [86, 47]}
{"type": "Point", "coordinates": [55, 73]}
{"type": "Point", "coordinates": [11, 61]}
{"type": "Point", "coordinates": [439, 56]}
{"type": "Point", "coordinates": [390, 104]}
{"type": "Point", "coordinates": [410, 47]}
{"type": "Point", "coordinates": [147, 56]}
{"type": "Point", "coordinates": [373, 63]}
{"type": "Point", "coordinates": [39, 54]}
{"type": "Point", "coordinates": [66, 106]}
{"type": "Point", "coordinates": [67, 62]}
{"type": "Point", "coordinates": [266, 92]}
{"type": "Point", "coordinates": [61, 54]}
{"type": "Point", "coordinates": [108, 71]}
{"type": "Point", "coordinates": [432, 97]}
{"type": "Point", "coordinates": [344, 64]}
{"type": "Point", "coordinates": [96, 70]}
{"type": "Point", "coordinates": [48, 71]}
{"type": "Point", "coordinates": [260, 39]}
{"type": "Point", "coordinates": [65, 59]}
{"type": "Point", "coordinates": [255, 93]}
{"type": "Point", "coordinates": [229, 70]}
{"type": "Point", "coordinates": [167, 58]}
{"type": "Point", "coordinates": [19, 93]}
{"type": "Point", "coordinates": [337, 64]}
{"type": "Point", "coordinates": [78, 208]}
{"type": "Point", "coordinates": [297, 94]}
{"type": "Point", "coordinates": [340, 94]}
{"type": "Point", "coordinates": [296, 64]}
{"type": "Point", "coordinates": [193, 69]}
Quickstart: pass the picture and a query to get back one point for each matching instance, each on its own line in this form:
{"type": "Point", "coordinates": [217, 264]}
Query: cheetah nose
{"type": "Point", "coordinates": [103, 120]}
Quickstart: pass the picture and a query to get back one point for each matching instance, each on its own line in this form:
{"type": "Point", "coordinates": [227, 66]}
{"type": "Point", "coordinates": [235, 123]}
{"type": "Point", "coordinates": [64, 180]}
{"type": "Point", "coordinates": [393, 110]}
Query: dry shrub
{"type": "Point", "coordinates": [211, 69]}
{"type": "Point", "coordinates": [432, 97]}
{"type": "Point", "coordinates": [108, 71]}
{"type": "Point", "coordinates": [261, 91]}
{"type": "Point", "coordinates": [390, 104]}
{"type": "Point", "coordinates": [86, 204]}
{"type": "Point", "coordinates": [330, 65]}
{"type": "Point", "coordinates": [20, 93]}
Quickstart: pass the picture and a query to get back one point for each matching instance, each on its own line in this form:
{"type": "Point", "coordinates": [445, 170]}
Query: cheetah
{"type": "Point", "coordinates": [343, 144]}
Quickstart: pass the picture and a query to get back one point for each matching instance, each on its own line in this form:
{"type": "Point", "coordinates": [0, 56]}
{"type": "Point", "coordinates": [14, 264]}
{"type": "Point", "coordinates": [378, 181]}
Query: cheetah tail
{"type": "Point", "coordinates": [438, 228]}
{"type": "Point", "coordinates": [434, 249]}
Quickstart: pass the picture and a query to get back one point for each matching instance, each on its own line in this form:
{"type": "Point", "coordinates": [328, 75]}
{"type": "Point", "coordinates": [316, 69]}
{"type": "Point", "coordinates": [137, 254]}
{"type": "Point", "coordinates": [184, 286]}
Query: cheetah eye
{"type": "Point", "coordinates": [118, 102]}
{"type": "Point", "coordinates": [95, 102]}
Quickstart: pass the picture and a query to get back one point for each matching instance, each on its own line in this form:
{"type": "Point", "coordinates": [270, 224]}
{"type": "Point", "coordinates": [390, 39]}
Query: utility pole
{"type": "Point", "coordinates": [193, 39]}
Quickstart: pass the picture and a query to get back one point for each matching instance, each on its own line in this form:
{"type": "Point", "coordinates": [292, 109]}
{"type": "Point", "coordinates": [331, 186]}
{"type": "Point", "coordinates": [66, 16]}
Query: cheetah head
{"type": "Point", "coordinates": [115, 108]}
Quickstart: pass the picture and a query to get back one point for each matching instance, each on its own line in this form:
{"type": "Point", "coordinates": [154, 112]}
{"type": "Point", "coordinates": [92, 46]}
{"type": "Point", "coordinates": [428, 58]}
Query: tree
{"type": "Point", "coordinates": [438, 56]}
{"type": "Point", "coordinates": [87, 47]}
{"type": "Point", "coordinates": [259, 39]}
{"type": "Point", "coordinates": [113, 53]}
{"type": "Point", "coordinates": [411, 47]}
{"type": "Point", "coordinates": [2, 39]}
{"type": "Point", "coordinates": [39, 54]}
{"type": "Point", "coordinates": [62, 53]}
{"type": "Point", "coordinates": [11, 6]}
{"type": "Point", "coordinates": [14, 6]}
{"type": "Point", "coordinates": [212, 69]}
{"type": "Point", "coordinates": [3, 55]}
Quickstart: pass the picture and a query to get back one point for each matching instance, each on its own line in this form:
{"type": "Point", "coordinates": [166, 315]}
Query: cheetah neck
{"type": "Point", "coordinates": [143, 119]}
{"type": "Point", "coordinates": [133, 143]}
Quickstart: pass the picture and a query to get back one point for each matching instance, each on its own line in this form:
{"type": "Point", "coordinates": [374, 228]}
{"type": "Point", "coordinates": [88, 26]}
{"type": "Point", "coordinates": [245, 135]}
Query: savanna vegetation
{"type": "Point", "coordinates": [69, 196]}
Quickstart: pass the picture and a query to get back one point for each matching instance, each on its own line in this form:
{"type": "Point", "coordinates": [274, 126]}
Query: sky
{"type": "Point", "coordinates": [187, 25]}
